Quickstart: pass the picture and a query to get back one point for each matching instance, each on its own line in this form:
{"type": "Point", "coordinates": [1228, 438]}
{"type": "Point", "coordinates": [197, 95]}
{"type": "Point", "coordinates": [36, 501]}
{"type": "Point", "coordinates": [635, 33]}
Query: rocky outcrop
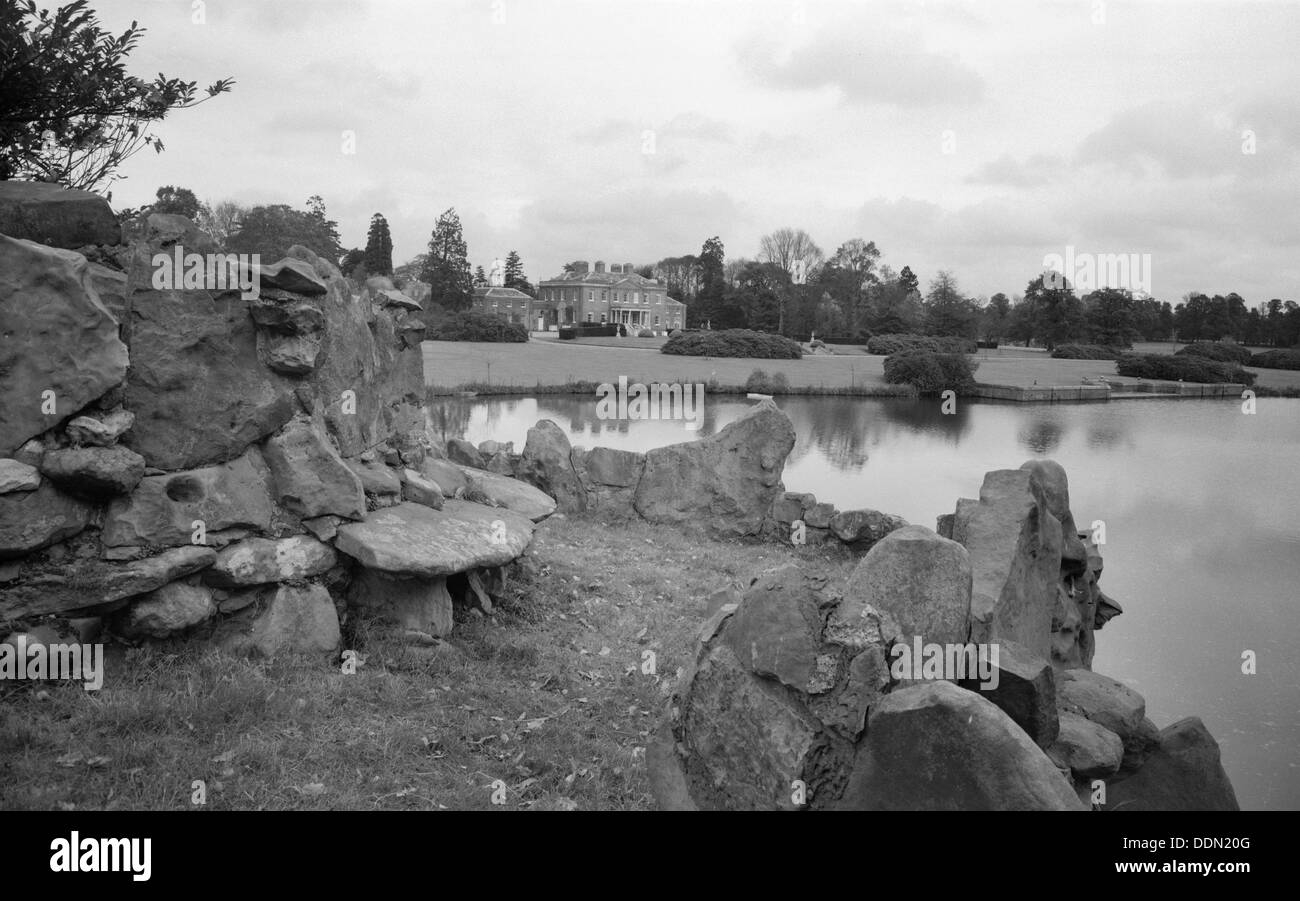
{"type": "Point", "coordinates": [547, 462]}
{"type": "Point", "coordinates": [724, 484]}
{"type": "Point", "coordinates": [799, 694]}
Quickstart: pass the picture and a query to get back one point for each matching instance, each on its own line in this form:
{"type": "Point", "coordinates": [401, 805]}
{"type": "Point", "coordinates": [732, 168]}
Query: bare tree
{"type": "Point", "coordinates": [794, 250]}
{"type": "Point", "coordinates": [220, 220]}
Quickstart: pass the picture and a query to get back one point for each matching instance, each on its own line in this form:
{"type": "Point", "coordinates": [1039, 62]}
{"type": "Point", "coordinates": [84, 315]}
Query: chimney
{"type": "Point", "coordinates": [580, 267]}
{"type": "Point", "coordinates": [628, 270]}
{"type": "Point", "coordinates": [600, 267]}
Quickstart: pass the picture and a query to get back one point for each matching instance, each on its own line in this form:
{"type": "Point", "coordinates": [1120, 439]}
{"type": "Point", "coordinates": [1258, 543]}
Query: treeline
{"type": "Point", "coordinates": [792, 288]}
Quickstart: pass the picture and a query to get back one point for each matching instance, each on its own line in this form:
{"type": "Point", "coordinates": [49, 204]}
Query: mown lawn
{"type": "Point", "coordinates": [546, 701]}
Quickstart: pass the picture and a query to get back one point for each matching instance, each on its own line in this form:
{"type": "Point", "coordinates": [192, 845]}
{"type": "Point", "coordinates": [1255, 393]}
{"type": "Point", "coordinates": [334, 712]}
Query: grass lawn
{"type": "Point", "coordinates": [449, 364]}
{"type": "Point", "coordinates": [548, 697]}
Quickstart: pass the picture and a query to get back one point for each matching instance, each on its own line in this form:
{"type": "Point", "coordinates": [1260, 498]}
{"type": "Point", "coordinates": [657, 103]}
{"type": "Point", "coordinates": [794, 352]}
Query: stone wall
{"type": "Point", "coordinates": [182, 459]}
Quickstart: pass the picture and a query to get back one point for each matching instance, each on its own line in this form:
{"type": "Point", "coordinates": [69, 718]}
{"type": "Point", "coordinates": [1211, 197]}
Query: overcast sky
{"type": "Point", "coordinates": [972, 136]}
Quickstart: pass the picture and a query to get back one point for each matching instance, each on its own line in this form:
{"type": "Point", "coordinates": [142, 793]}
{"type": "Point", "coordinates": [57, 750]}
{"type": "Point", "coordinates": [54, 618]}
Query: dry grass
{"type": "Point", "coordinates": [548, 697]}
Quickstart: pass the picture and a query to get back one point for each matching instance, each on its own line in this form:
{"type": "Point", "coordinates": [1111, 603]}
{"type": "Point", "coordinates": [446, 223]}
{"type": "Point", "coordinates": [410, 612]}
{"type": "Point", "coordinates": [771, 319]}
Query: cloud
{"type": "Point", "coordinates": [1007, 171]}
{"type": "Point", "coordinates": [868, 65]}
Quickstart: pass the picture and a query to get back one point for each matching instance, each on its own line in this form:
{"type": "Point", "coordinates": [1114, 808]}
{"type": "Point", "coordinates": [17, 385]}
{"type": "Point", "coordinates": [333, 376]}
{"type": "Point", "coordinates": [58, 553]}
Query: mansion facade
{"type": "Point", "coordinates": [588, 294]}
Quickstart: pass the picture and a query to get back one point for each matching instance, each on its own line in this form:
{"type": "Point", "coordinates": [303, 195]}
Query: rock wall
{"type": "Point", "coordinates": [177, 458]}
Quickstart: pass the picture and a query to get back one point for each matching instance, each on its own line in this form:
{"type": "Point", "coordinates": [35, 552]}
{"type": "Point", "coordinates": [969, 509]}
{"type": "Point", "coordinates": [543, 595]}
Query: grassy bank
{"type": "Point", "coordinates": [548, 697]}
{"type": "Point", "coordinates": [570, 367]}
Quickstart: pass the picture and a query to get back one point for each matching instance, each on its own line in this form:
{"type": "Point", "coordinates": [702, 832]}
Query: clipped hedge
{"type": "Point", "coordinates": [734, 342]}
{"type": "Point", "coordinates": [1277, 359]}
{"type": "Point", "coordinates": [1220, 353]}
{"type": "Point", "coordinates": [759, 382]}
{"type": "Point", "coordinates": [931, 373]}
{"type": "Point", "coordinates": [1172, 367]}
{"type": "Point", "coordinates": [892, 344]}
{"type": "Point", "coordinates": [1086, 352]}
{"type": "Point", "coordinates": [473, 325]}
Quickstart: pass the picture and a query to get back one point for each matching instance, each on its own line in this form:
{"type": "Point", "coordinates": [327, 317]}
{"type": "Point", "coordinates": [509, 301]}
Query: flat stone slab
{"type": "Point", "coordinates": [413, 540]}
{"type": "Point", "coordinates": [512, 493]}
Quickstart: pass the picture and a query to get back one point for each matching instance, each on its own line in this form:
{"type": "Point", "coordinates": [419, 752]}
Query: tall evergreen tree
{"type": "Point", "coordinates": [515, 277]}
{"type": "Point", "coordinates": [379, 247]}
{"type": "Point", "coordinates": [447, 269]}
{"type": "Point", "coordinates": [480, 277]}
{"type": "Point", "coordinates": [908, 281]}
{"type": "Point", "coordinates": [713, 282]}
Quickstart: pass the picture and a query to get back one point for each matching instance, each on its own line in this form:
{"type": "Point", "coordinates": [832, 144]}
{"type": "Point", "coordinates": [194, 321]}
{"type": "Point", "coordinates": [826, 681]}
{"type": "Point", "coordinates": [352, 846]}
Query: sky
{"type": "Point", "coordinates": [976, 137]}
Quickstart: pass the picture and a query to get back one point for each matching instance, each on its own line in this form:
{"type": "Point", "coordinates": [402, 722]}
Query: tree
{"type": "Point", "coordinates": [515, 277]}
{"type": "Point", "coordinates": [480, 277]}
{"type": "Point", "coordinates": [713, 281]}
{"type": "Point", "coordinates": [1110, 315]}
{"type": "Point", "coordinates": [948, 313]}
{"type": "Point", "coordinates": [794, 251]}
{"type": "Point", "coordinates": [178, 201]}
{"type": "Point", "coordinates": [680, 275]}
{"type": "Point", "coordinates": [220, 220]}
{"type": "Point", "coordinates": [69, 113]}
{"type": "Point", "coordinates": [354, 263]}
{"type": "Point", "coordinates": [996, 318]}
{"type": "Point", "coordinates": [271, 230]}
{"type": "Point", "coordinates": [909, 282]}
{"type": "Point", "coordinates": [379, 247]}
{"type": "Point", "coordinates": [447, 267]}
{"type": "Point", "coordinates": [1058, 314]}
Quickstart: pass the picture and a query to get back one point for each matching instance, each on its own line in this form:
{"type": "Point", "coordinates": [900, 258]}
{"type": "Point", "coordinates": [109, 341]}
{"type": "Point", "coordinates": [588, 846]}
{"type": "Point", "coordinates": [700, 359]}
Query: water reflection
{"type": "Point", "coordinates": [1199, 502]}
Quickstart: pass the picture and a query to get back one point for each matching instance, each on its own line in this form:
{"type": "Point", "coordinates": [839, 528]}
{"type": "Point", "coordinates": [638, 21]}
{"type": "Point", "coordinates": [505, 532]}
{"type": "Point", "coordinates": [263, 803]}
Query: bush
{"type": "Point", "coordinates": [473, 325]}
{"type": "Point", "coordinates": [735, 342]}
{"type": "Point", "coordinates": [892, 344]}
{"type": "Point", "coordinates": [759, 382]}
{"type": "Point", "coordinates": [1174, 368]}
{"type": "Point", "coordinates": [1220, 353]}
{"type": "Point", "coordinates": [1277, 359]}
{"type": "Point", "coordinates": [986, 345]}
{"type": "Point", "coordinates": [645, 333]}
{"type": "Point", "coordinates": [1086, 352]}
{"type": "Point", "coordinates": [674, 333]}
{"type": "Point", "coordinates": [931, 373]}
{"type": "Point", "coordinates": [568, 333]}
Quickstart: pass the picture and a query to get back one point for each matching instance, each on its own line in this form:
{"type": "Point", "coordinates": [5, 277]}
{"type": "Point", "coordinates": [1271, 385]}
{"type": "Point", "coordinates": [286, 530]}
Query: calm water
{"type": "Point", "coordinates": [1202, 516]}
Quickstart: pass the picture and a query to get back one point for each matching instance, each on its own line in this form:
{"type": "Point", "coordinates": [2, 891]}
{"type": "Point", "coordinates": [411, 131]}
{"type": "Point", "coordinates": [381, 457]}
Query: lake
{"type": "Point", "coordinates": [1199, 501]}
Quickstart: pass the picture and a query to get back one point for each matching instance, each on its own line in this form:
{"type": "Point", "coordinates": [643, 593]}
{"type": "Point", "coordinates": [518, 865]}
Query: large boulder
{"type": "Point", "coordinates": [1015, 554]}
{"type": "Point", "coordinates": [547, 462]}
{"type": "Point", "coordinates": [161, 511]}
{"type": "Point", "coordinates": [421, 605]}
{"type": "Point", "coordinates": [310, 477]}
{"type": "Point", "coordinates": [504, 491]}
{"type": "Point", "coordinates": [166, 611]}
{"type": "Point", "coordinates": [935, 746]}
{"type": "Point", "coordinates": [921, 579]}
{"type": "Point", "coordinates": [725, 483]}
{"type": "Point", "coordinates": [93, 583]}
{"type": "Point", "coordinates": [1025, 691]}
{"type": "Point", "coordinates": [1087, 749]}
{"type": "Point", "coordinates": [1112, 705]}
{"type": "Point", "coordinates": [863, 528]}
{"type": "Point", "coordinates": [57, 216]}
{"type": "Point", "coordinates": [59, 345]}
{"type": "Point", "coordinates": [18, 476]}
{"type": "Point", "coordinates": [1183, 773]}
{"type": "Point", "coordinates": [609, 475]}
{"type": "Point", "coordinates": [414, 540]}
{"type": "Point", "coordinates": [31, 520]}
{"type": "Point", "coordinates": [297, 618]}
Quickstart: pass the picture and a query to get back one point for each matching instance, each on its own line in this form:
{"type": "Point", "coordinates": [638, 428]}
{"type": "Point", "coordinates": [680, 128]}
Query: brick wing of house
{"type": "Point", "coordinates": [597, 295]}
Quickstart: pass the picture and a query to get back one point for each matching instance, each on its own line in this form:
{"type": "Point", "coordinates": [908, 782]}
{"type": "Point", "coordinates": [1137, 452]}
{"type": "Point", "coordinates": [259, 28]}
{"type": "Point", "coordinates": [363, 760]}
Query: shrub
{"type": "Point", "coordinates": [473, 325]}
{"type": "Point", "coordinates": [674, 333]}
{"type": "Point", "coordinates": [735, 342]}
{"type": "Point", "coordinates": [1277, 359]}
{"type": "Point", "coordinates": [568, 333]}
{"type": "Point", "coordinates": [892, 344]}
{"type": "Point", "coordinates": [1086, 352]}
{"type": "Point", "coordinates": [1174, 368]}
{"type": "Point", "coordinates": [1220, 353]}
{"type": "Point", "coordinates": [645, 333]}
{"type": "Point", "coordinates": [759, 382]}
{"type": "Point", "coordinates": [931, 373]}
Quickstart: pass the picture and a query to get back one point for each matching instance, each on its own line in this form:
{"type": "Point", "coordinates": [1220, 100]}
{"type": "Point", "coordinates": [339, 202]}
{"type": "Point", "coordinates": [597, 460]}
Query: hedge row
{"type": "Point", "coordinates": [892, 344]}
{"type": "Point", "coordinates": [473, 325]}
{"type": "Point", "coordinates": [1087, 352]}
{"type": "Point", "coordinates": [735, 342]}
{"type": "Point", "coordinates": [931, 373]}
{"type": "Point", "coordinates": [1277, 359]}
{"type": "Point", "coordinates": [1220, 353]}
{"type": "Point", "coordinates": [1174, 368]}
